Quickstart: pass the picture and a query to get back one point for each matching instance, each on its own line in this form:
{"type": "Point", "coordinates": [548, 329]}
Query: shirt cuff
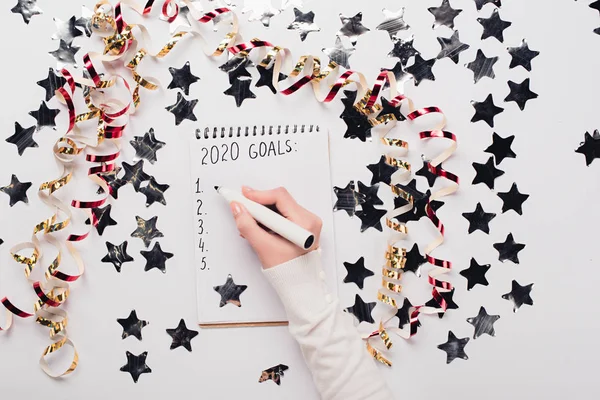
{"type": "Point", "coordinates": [301, 286]}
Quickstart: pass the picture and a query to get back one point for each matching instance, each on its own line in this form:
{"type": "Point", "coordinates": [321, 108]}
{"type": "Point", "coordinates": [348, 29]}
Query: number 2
{"type": "Point", "coordinates": [198, 212]}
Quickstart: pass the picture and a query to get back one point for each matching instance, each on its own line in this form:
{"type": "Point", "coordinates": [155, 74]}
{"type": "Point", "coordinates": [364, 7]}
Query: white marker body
{"type": "Point", "coordinates": [275, 222]}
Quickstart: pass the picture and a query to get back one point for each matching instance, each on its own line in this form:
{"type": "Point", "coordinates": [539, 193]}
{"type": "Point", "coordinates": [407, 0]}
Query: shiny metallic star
{"type": "Point", "coordinates": [146, 146]}
{"type": "Point", "coordinates": [304, 22]}
{"type": "Point", "coordinates": [519, 295]}
{"type": "Point", "coordinates": [117, 255]}
{"type": "Point", "coordinates": [266, 78]}
{"type": "Point", "coordinates": [240, 90]}
{"type": "Point", "coordinates": [136, 365]}
{"type": "Point", "coordinates": [482, 66]}
{"type": "Point", "coordinates": [22, 138]}
{"type": "Point", "coordinates": [66, 30]}
{"type": "Point", "coordinates": [339, 54]}
{"type": "Point", "coordinates": [481, 3]}
{"type": "Point", "coordinates": [65, 54]}
{"type": "Point", "coordinates": [135, 174]}
{"type": "Point", "coordinates": [154, 192]}
{"type": "Point", "coordinates": [493, 26]}
{"type": "Point", "coordinates": [146, 230]}
{"type": "Point", "coordinates": [421, 69]}
{"type": "Point", "coordinates": [483, 323]}
{"type": "Point", "coordinates": [230, 292]}
{"type": "Point", "coordinates": [451, 47]}
{"type": "Point", "coordinates": [156, 258]}
{"type": "Point", "coordinates": [522, 55]}
{"type": "Point", "coordinates": [348, 198]}
{"type": "Point", "coordinates": [183, 109]}
{"type": "Point", "coordinates": [51, 83]}
{"type": "Point", "coordinates": [590, 147]}
{"type": "Point", "coordinates": [361, 310]}
{"type": "Point", "coordinates": [261, 12]}
{"type": "Point", "coordinates": [393, 22]}
{"type": "Point", "coordinates": [352, 27]}
{"type": "Point", "coordinates": [102, 215]}
{"type": "Point", "coordinates": [16, 190]}
{"type": "Point", "coordinates": [45, 116]}
{"type": "Point", "coordinates": [182, 336]}
{"type": "Point", "coordinates": [401, 76]}
{"type": "Point", "coordinates": [27, 9]}
{"type": "Point", "coordinates": [486, 110]}
{"type": "Point", "coordinates": [132, 325]}
{"type": "Point", "coordinates": [444, 14]}
{"type": "Point", "coordinates": [404, 50]}
{"type": "Point", "coordinates": [509, 249]}
{"type": "Point", "coordinates": [182, 78]}
{"type": "Point", "coordinates": [520, 93]}
{"type": "Point", "coordinates": [84, 23]}
{"type": "Point", "coordinates": [454, 348]}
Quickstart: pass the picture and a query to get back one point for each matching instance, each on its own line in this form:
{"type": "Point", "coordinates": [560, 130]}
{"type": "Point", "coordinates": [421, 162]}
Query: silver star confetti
{"type": "Point", "coordinates": [352, 27]}
{"type": "Point", "coordinates": [183, 109]}
{"type": "Point", "coordinates": [230, 292]}
{"type": "Point", "coordinates": [146, 230]}
{"type": "Point", "coordinates": [483, 323]}
{"type": "Point", "coordinates": [339, 54]}
{"type": "Point", "coordinates": [404, 50]}
{"type": "Point", "coordinates": [444, 14]}
{"type": "Point", "coordinates": [304, 22]}
{"type": "Point", "coordinates": [16, 190]}
{"type": "Point", "coordinates": [482, 66]}
{"type": "Point", "coordinates": [66, 30]}
{"type": "Point", "coordinates": [84, 23]}
{"type": "Point", "coordinates": [393, 22]}
{"type": "Point", "coordinates": [451, 47]}
{"type": "Point", "coordinates": [262, 12]}
{"type": "Point", "coordinates": [65, 54]}
{"type": "Point", "coordinates": [146, 146]}
{"type": "Point", "coordinates": [27, 9]}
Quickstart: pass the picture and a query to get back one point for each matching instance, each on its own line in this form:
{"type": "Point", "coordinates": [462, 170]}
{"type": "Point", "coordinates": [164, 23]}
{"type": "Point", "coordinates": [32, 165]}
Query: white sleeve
{"type": "Point", "coordinates": [334, 352]}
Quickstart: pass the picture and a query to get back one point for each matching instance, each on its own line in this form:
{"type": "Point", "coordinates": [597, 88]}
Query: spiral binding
{"type": "Point", "coordinates": [256, 130]}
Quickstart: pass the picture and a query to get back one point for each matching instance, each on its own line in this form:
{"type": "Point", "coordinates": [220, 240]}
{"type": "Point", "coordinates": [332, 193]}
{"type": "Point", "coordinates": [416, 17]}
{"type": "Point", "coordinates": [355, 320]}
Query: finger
{"type": "Point", "coordinates": [280, 197]}
{"type": "Point", "coordinates": [247, 226]}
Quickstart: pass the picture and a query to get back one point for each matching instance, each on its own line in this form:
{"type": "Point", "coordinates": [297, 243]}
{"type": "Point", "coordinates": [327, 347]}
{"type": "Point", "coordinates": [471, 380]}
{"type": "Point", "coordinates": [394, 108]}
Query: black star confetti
{"type": "Point", "coordinates": [65, 54]}
{"type": "Point", "coordinates": [136, 365]}
{"type": "Point", "coordinates": [509, 250]}
{"type": "Point", "coordinates": [522, 55]}
{"type": "Point", "coordinates": [370, 217]}
{"type": "Point", "coordinates": [352, 27]}
{"type": "Point", "coordinates": [513, 199]}
{"type": "Point", "coordinates": [486, 110]}
{"type": "Point", "coordinates": [479, 219]}
{"type": "Point", "coordinates": [370, 193]}
{"type": "Point", "coordinates": [482, 66]}
{"type": "Point", "coordinates": [520, 93]}
{"type": "Point", "coordinates": [519, 295]}
{"type": "Point", "coordinates": [16, 190]}
{"type": "Point", "coordinates": [45, 116]}
{"type": "Point", "coordinates": [23, 138]}
{"type": "Point", "coordinates": [483, 323]}
{"type": "Point", "coordinates": [339, 54]}
{"type": "Point", "coordinates": [51, 83]}
{"type": "Point", "coordinates": [266, 78]}
{"type": "Point", "coordinates": [493, 26]}
{"type": "Point", "coordinates": [404, 50]}
{"type": "Point", "coordinates": [117, 255]}
{"type": "Point", "coordinates": [454, 348]}
{"type": "Point", "coordinates": [357, 272]}
{"type": "Point", "coordinates": [66, 30]}
{"type": "Point", "coordinates": [304, 22]}
{"type": "Point", "coordinates": [403, 314]}
{"type": "Point", "coordinates": [182, 336]}
{"type": "Point", "coordinates": [393, 22]}
{"type": "Point", "coordinates": [156, 258]}
{"type": "Point", "coordinates": [362, 310]}
{"type": "Point", "coordinates": [388, 109]}
{"type": "Point", "coordinates": [146, 230]}
{"type": "Point", "coordinates": [146, 146]}
{"type": "Point", "coordinates": [230, 292]}
{"type": "Point", "coordinates": [475, 274]}
{"type": "Point", "coordinates": [357, 123]}
{"type": "Point", "coordinates": [135, 174]}
{"type": "Point", "coordinates": [240, 90]}
{"type": "Point", "coordinates": [183, 109]}
{"type": "Point", "coordinates": [481, 3]}
{"type": "Point", "coordinates": [382, 171]}
{"type": "Point", "coordinates": [103, 217]}
{"type": "Point", "coordinates": [113, 182]}
{"type": "Point", "coordinates": [414, 260]}
{"type": "Point", "coordinates": [500, 148]}
{"type": "Point", "coordinates": [84, 23]}
{"type": "Point", "coordinates": [590, 147]}
{"type": "Point", "coordinates": [451, 47]}
{"type": "Point", "coordinates": [421, 69]}
{"type": "Point", "coordinates": [427, 174]}
{"type": "Point", "coordinates": [420, 201]}
{"type": "Point", "coordinates": [401, 76]}
{"type": "Point", "coordinates": [237, 67]}
{"type": "Point", "coordinates": [486, 173]}
{"type": "Point", "coordinates": [347, 198]}
{"type": "Point", "coordinates": [132, 325]}
{"type": "Point", "coordinates": [182, 78]}
{"type": "Point", "coordinates": [27, 9]}
{"type": "Point", "coordinates": [444, 14]}
{"type": "Point", "coordinates": [274, 373]}
{"type": "Point", "coordinates": [595, 5]}
{"type": "Point", "coordinates": [450, 304]}
{"type": "Point", "coordinates": [154, 192]}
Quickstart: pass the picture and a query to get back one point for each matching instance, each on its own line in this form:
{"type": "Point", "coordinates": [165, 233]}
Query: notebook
{"type": "Point", "coordinates": [261, 157]}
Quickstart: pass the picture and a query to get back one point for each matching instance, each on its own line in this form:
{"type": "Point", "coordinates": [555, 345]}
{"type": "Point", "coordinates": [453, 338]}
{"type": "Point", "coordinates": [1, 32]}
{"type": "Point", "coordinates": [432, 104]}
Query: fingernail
{"type": "Point", "coordinates": [235, 209]}
{"type": "Point", "coordinates": [246, 189]}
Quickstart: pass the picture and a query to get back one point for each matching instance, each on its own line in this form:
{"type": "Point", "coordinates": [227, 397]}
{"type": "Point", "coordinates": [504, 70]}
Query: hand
{"type": "Point", "coordinates": [271, 248]}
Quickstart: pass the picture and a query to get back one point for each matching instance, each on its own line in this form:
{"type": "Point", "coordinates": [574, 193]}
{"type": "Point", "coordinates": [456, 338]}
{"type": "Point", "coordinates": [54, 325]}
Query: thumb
{"type": "Point", "coordinates": [247, 226]}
